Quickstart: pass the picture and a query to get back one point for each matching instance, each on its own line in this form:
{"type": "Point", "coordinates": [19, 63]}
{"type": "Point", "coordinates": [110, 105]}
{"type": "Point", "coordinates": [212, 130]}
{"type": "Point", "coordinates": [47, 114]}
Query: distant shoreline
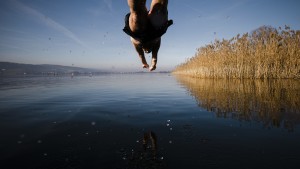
{"type": "Point", "coordinates": [9, 69]}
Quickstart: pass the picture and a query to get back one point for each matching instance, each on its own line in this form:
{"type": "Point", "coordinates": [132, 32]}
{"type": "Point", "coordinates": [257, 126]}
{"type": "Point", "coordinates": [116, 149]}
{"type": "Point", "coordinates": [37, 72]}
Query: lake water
{"type": "Point", "coordinates": [148, 120]}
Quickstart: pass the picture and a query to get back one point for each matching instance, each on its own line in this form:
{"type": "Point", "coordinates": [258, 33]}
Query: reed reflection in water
{"type": "Point", "coordinates": [274, 103]}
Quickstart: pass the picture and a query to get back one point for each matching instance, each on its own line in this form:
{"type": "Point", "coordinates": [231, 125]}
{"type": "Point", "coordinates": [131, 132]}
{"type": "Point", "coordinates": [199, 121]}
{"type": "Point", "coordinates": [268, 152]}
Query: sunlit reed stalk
{"type": "Point", "coordinates": [265, 53]}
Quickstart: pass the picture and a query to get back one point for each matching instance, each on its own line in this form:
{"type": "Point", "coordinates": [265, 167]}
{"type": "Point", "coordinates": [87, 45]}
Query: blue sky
{"type": "Point", "coordinates": [88, 33]}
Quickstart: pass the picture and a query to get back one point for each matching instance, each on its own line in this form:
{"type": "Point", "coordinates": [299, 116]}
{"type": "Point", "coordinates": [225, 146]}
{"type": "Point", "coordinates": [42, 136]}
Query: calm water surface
{"type": "Point", "coordinates": [121, 121]}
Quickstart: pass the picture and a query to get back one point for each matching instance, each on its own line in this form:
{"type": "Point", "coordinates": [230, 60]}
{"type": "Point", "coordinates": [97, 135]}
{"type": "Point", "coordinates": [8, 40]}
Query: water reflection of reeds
{"type": "Point", "coordinates": [275, 103]}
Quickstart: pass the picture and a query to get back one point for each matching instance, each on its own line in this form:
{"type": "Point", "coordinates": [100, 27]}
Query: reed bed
{"type": "Point", "coordinates": [265, 53]}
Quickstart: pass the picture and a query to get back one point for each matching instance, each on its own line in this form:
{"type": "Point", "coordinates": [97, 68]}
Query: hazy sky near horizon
{"type": "Point", "coordinates": [88, 33]}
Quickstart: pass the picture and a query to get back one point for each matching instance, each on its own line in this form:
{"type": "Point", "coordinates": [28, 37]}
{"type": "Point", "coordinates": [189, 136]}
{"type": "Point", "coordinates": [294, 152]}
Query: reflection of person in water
{"type": "Point", "coordinates": [147, 27]}
{"type": "Point", "coordinates": [147, 158]}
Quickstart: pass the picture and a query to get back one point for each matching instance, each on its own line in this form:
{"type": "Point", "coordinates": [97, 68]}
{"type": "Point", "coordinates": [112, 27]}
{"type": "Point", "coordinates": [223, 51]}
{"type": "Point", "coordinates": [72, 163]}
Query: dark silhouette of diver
{"type": "Point", "coordinates": [146, 27]}
{"type": "Point", "coordinates": [147, 158]}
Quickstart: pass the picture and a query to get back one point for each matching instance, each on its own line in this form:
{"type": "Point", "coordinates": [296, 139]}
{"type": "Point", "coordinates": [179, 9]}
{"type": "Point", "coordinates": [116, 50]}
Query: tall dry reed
{"type": "Point", "coordinates": [265, 53]}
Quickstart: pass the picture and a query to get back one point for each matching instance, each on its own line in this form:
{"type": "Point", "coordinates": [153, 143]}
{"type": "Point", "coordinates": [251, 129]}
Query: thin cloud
{"type": "Point", "coordinates": [221, 14]}
{"type": "Point", "coordinates": [192, 8]}
{"type": "Point", "coordinates": [102, 8]}
{"type": "Point", "coordinates": [108, 3]}
{"type": "Point", "coordinates": [14, 47]}
{"type": "Point", "coordinates": [48, 21]}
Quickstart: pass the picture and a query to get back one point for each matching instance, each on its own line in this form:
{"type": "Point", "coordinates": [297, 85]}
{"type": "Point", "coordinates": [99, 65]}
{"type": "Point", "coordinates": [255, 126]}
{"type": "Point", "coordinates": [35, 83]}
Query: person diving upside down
{"type": "Point", "coordinates": [146, 27]}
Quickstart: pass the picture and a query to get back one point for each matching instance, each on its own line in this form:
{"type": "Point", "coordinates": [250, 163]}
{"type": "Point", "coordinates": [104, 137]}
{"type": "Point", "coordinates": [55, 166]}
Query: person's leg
{"type": "Point", "coordinates": [138, 15]}
{"type": "Point", "coordinates": [155, 50]}
{"type": "Point", "coordinates": [140, 52]}
{"type": "Point", "coordinates": [158, 13]}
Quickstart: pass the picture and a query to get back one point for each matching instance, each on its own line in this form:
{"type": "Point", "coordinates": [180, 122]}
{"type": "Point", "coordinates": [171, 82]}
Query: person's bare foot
{"type": "Point", "coordinates": [152, 68]}
{"type": "Point", "coordinates": [153, 64]}
{"type": "Point", "coordinates": [145, 66]}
